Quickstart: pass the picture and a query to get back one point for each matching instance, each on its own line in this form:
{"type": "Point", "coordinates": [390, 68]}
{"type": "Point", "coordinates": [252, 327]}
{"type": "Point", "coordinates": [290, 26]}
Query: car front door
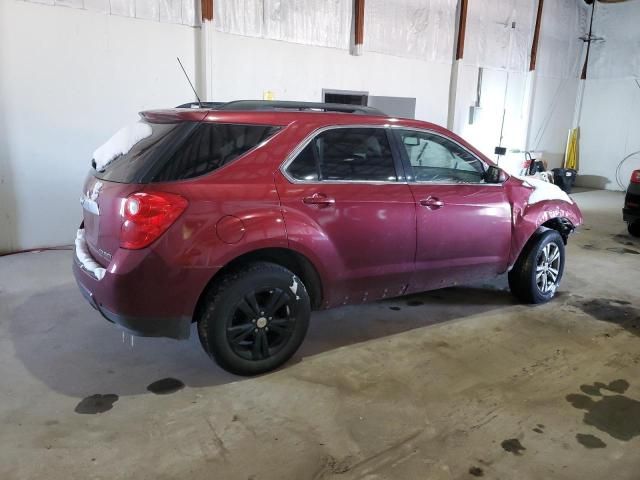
{"type": "Point", "coordinates": [345, 201]}
{"type": "Point", "coordinates": [463, 223]}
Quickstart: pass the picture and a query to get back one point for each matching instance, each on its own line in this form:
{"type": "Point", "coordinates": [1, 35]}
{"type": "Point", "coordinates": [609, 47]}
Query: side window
{"type": "Point", "coordinates": [436, 159]}
{"type": "Point", "coordinates": [209, 147]}
{"type": "Point", "coordinates": [352, 154]}
{"type": "Point", "coordinates": [304, 167]}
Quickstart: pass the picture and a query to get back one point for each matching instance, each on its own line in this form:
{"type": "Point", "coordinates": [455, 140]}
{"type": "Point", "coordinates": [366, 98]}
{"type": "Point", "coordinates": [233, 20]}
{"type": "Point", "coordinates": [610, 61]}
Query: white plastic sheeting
{"type": "Point", "coordinates": [241, 17]}
{"type": "Point", "coordinates": [618, 55]}
{"type": "Point", "coordinates": [422, 29]}
{"type": "Point", "coordinates": [312, 22]}
{"type": "Point", "coordinates": [184, 12]}
{"type": "Point", "coordinates": [98, 6]}
{"type": "Point", "coordinates": [324, 23]}
{"type": "Point", "coordinates": [560, 47]}
{"type": "Point", "coordinates": [499, 34]}
{"type": "Point", "coordinates": [124, 8]}
{"type": "Point", "coordinates": [70, 3]}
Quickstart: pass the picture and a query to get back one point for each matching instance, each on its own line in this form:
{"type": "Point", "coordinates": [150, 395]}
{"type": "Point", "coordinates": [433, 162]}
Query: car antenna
{"type": "Point", "coordinates": [191, 84]}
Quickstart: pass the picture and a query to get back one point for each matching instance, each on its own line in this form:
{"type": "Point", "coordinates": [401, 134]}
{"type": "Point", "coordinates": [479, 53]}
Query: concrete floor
{"type": "Point", "coordinates": [457, 383]}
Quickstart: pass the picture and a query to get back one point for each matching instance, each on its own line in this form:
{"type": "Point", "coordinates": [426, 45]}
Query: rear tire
{"type": "Point", "coordinates": [536, 274]}
{"type": "Point", "coordinates": [254, 319]}
{"type": "Point", "coordinates": [634, 228]}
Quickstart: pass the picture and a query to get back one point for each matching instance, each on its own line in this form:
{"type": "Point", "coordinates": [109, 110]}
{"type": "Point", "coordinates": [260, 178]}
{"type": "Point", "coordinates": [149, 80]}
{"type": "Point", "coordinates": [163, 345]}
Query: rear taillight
{"type": "Point", "coordinates": [147, 216]}
{"type": "Point", "coordinates": [635, 176]}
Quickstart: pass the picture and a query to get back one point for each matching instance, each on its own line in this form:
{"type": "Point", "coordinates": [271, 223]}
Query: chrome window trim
{"type": "Point", "coordinates": [302, 145]}
{"type": "Point", "coordinates": [438, 134]}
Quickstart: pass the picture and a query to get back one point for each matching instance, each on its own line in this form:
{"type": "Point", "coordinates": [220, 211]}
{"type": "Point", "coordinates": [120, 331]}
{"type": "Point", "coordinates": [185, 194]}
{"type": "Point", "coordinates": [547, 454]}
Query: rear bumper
{"type": "Point", "coordinates": [631, 210]}
{"type": "Point", "coordinates": [630, 215]}
{"type": "Point", "coordinates": [178, 328]}
{"type": "Point", "coordinates": [141, 298]}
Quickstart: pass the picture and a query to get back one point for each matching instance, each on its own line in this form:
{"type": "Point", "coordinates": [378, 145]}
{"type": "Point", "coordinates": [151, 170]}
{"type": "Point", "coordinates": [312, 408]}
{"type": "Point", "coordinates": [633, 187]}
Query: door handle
{"type": "Point", "coordinates": [432, 203]}
{"type": "Point", "coordinates": [319, 199]}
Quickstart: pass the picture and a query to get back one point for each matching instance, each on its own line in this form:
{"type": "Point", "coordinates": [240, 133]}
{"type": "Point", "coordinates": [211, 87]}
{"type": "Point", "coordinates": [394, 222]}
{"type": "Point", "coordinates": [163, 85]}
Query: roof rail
{"type": "Point", "coordinates": [277, 105]}
{"type": "Point", "coordinates": [201, 105]}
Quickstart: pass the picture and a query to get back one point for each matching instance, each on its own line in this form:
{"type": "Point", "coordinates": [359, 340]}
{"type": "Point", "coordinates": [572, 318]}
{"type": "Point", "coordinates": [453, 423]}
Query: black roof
{"type": "Point", "coordinates": [201, 105]}
{"type": "Point", "coordinates": [285, 105]}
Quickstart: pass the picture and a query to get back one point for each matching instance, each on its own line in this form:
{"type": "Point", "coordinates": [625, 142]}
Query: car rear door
{"type": "Point", "coordinates": [345, 200]}
{"type": "Point", "coordinates": [463, 223]}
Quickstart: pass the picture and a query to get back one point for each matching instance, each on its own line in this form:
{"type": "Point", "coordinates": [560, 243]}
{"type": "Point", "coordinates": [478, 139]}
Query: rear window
{"type": "Point", "coordinates": [178, 151]}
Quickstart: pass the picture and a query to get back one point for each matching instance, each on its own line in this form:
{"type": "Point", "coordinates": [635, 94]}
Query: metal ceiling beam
{"type": "Point", "coordinates": [583, 76]}
{"type": "Point", "coordinates": [462, 28]}
{"type": "Point", "coordinates": [536, 37]}
{"type": "Point", "coordinates": [207, 9]}
{"type": "Point", "coordinates": [358, 11]}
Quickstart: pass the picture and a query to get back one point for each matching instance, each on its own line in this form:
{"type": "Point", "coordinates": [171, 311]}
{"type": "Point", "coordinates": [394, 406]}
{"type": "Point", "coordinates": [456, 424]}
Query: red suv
{"type": "Point", "coordinates": [244, 217]}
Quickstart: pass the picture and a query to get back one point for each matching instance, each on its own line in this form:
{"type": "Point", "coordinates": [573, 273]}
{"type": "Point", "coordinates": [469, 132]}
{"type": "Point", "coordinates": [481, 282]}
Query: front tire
{"type": "Point", "coordinates": [536, 274]}
{"type": "Point", "coordinates": [634, 228]}
{"type": "Point", "coordinates": [253, 320]}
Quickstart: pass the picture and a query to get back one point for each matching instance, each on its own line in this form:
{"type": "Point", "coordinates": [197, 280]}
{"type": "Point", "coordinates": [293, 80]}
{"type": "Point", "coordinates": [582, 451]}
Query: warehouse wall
{"type": "Point", "coordinates": [609, 131]}
{"type": "Point", "coordinates": [70, 78]}
{"type": "Point", "coordinates": [73, 76]}
{"type": "Point", "coordinates": [245, 67]}
{"type": "Point", "coordinates": [610, 115]}
{"type": "Point", "coordinates": [538, 107]}
{"type": "Point", "coordinates": [552, 116]}
{"type": "Point", "coordinates": [296, 49]}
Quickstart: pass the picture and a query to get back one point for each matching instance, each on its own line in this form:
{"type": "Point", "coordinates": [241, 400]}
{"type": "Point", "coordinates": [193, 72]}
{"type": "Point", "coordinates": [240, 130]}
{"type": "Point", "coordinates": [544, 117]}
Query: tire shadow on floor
{"type": "Point", "coordinates": [68, 346]}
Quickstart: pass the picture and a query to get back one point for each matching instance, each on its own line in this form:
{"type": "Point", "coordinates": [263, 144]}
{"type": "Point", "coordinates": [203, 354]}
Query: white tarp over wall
{"type": "Point", "coordinates": [422, 29]}
{"type": "Point", "coordinates": [312, 22]}
{"type": "Point", "coordinates": [325, 23]}
{"type": "Point", "coordinates": [499, 33]}
{"type": "Point", "coordinates": [240, 17]}
{"type": "Point", "coordinates": [560, 47]}
{"type": "Point", "coordinates": [498, 39]}
{"type": "Point", "coordinates": [184, 12]}
{"type": "Point", "coordinates": [618, 55]}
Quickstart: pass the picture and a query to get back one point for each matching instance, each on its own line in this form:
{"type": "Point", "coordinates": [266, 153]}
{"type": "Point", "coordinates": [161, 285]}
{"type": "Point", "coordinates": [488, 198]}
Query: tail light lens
{"type": "Point", "coordinates": [147, 216]}
{"type": "Point", "coordinates": [635, 176]}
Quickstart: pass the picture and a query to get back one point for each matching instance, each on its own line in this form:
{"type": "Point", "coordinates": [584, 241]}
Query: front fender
{"type": "Point", "coordinates": [526, 219]}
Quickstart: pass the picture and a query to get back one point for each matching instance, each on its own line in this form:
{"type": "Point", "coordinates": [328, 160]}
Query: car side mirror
{"type": "Point", "coordinates": [494, 174]}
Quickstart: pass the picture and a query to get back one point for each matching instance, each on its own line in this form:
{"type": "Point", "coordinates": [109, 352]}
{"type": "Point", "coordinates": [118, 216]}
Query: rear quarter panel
{"type": "Point", "coordinates": [243, 191]}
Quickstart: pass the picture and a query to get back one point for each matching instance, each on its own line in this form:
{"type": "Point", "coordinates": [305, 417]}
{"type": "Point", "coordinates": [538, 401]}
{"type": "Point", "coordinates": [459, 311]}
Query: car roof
{"type": "Point", "coordinates": [280, 117]}
{"type": "Point", "coordinates": [286, 105]}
